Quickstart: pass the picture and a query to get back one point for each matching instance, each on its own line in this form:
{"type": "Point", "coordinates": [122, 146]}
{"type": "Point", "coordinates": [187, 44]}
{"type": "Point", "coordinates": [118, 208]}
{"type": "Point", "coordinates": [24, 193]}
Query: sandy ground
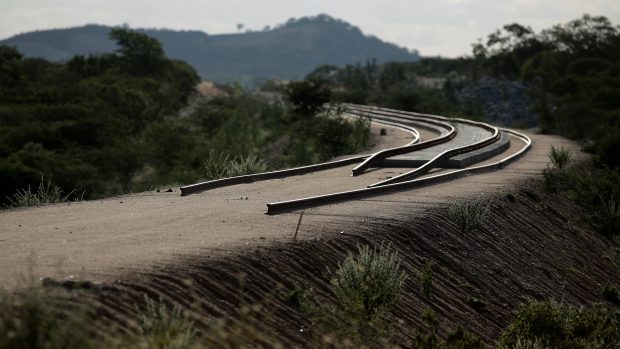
{"type": "Point", "coordinates": [100, 239]}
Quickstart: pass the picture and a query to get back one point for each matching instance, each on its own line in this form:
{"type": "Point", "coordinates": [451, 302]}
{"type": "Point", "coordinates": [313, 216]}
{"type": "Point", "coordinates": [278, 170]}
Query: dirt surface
{"type": "Point", "coordinates": [100, 239]}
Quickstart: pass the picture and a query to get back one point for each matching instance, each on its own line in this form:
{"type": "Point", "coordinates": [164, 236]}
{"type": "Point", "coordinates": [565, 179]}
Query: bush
{"type": "Point", "coordinates": [163, 327]}
{"type": "Point", "coordinates": [559, 157]}
{"type": "Point", "coordinates": [469, 215]}
{"type": "Point", "coordinates": [426, 279]}
{"type": "Point", "coordinates": [556, 325]}
{"type": "Point", "coordinates": [47, 193]}
{"type": "Point", "coordinates": [476, 303]}
{"type": "Point", "coordinates": [459, 339]}
{"type": "Point", "coordinates": [610, 293]}
{"type": "Point", "coordinates": [368, 283]}
{"type": "Point", "coordinates": [29, 319]}
{"type": "Point", "coordinates": [221, 165]}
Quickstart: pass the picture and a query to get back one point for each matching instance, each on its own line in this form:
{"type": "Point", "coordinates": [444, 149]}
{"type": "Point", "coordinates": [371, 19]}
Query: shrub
{"type": "Point", "coordinates": [610, 293]}
{"type": "Point", "coordinates": [459, 339]}
{"type": "Point", "coordinates": [29, 319]}
{"type": "Point", "coordinates": [46, 193]}
{"type": "Point", "coordinates": [221, 165]}
{"type": "Point", "coordinates": [166, 328]}
{"type": "Point", "coordinates": [368, 283]}
{"type": "Point", "coordinates": [555, 325]}
{"type": "Point", "coordinates": [476, 303]}
{"type": "Point", "coordinates": [426, 279]}
{"type": "Point", "coordinates": [469, 215]}
{"type": "Point", "coordinates": [559, 157]}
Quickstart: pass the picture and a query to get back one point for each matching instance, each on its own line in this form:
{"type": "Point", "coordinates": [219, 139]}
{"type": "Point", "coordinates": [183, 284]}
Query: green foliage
{"type": "Point", "coordinates": [46, 193]}
{"type": "Point", "coordinates": [221, 165]}
{"type": "Point", "coordinates": [459, 339]}
{"type": "Point", "coordinates": [469, 215]}
{"type": "Point", "coordinates": [559, 157]}
{"type": "Point", "coordinates": [142, 54]}
{"type": "Point", "coordinates": [367, 284]}
{"type": "Point", "coordinates": [82, 124]}
{"type": "Point", "coordinates": [166, 328]}
{"type": "Point", "coordinates": [426, 279]}
{"type": "Point", "coordinates": [129, 121]}
{"type": "Point", "coordinates": [30, 320]}
{"type": "Point", "coordinates": [549, 324]}
{"type": "Point", "coordinates": [610, 293]}
{"type": "Point", "coordinates": [476, 303]}
{"type": "Point", "coordinates": [308, 97]}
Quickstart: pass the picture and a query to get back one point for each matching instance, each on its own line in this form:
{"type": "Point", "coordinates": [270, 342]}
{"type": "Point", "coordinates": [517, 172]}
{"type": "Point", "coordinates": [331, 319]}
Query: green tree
{"type": "Point", "coordinates": [141, 53]}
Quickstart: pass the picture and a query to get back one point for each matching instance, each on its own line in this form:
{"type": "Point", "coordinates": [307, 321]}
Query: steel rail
{"type": "Point", "coordinates": [443, 155]}
{"type": "Point", "coordinates": [386, 153]}
{"type": "Point", "coordinates": [218, 183]}
{"type": "Point", "coordinates": [289, 205]}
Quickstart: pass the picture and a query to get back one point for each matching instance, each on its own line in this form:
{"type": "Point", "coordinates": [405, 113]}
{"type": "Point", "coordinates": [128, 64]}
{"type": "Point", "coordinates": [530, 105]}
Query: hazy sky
{"type": "Point", "coordinates": [435, 27]}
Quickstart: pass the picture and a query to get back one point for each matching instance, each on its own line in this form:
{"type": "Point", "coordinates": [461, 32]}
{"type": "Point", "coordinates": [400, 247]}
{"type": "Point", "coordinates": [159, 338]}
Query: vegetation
{"type": "Point", "coordinates": [469, 215]}
{"type": "Point", "coordinates": [459, 339]}
{"type": "Point", "coordinates": [610, 293]}
{"type": "Point", "coordinates": [46, 193]}
{"type": "Point", "coordinates": [130, 121]}
{"type": "Point", "coordinates": [367, 285]}
{"type": "Point", "coordinates": [426, 279]}
{"type": "Point", "coordinates": [555, 325]}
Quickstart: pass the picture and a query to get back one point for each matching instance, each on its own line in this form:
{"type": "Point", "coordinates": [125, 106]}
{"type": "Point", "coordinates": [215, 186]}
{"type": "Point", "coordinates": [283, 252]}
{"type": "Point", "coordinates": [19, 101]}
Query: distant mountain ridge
{"type": "Point", "coordinates": [288, 51]}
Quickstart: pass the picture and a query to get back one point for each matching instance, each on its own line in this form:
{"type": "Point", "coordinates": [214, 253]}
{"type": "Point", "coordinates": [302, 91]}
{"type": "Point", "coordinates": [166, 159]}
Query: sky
{"type": "Point", "coordinates": [436, 27]}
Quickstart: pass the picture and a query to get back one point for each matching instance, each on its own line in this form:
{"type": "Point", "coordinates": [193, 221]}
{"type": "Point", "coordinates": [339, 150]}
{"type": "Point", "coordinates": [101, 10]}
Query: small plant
{"type": "Point", "coordinates": [476, 303]}
{"type": "Point", "coordinates": [297, 298]}
{"type": "Point", "coordinates": [559, 157]}
{"type": "Point", "coordinates": [606, 217]}
{"type": "Point", "coordinates": [368, 283]}
{"type": "Point", "coordinates": [426, 279]}
{"type": "Point", "coordinates": [46, 193]}
{"type": "Point", "coordinates": [469, 215]}
{"type": "Point", "coordinates": [430, 340]}
{"type": "Point", "coordinates": [511, 197]}
{"type": "Point", "coordinates": [610, 293]}
{"type": "Point", "coordinates": [221, 166]}
{"type": "Point", "coordinates": [166, 328]}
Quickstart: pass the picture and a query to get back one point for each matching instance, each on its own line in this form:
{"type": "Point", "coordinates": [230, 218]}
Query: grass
{"type": "Point", "coordinates": [165, 327]}
{"type": "Point", "coordinates": [555, 325]}
{"type": "Point", "coordinates": [222, 165]}
{"type": "Point", "coordinates": [46, 193]}
{"type": "Point", "coordinates": [426, 279]}
{"type": "Point", "coordinates": [469, 215]}
{"type": "Point", "coordinates": [560, 157]}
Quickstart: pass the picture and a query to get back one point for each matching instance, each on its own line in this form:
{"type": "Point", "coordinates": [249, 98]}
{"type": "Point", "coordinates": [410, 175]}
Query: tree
{"type": "Point", "coordinates": [141, 54]}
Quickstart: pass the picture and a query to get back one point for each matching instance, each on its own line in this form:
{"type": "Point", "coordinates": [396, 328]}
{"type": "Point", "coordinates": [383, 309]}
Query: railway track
{"type": "Point", "coordinates": [456, 138]}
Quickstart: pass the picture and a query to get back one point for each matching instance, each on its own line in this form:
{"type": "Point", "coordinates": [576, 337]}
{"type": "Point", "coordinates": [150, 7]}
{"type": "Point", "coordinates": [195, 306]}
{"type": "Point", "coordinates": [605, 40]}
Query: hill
{"type": "Point", "coordinates": [287, 51]}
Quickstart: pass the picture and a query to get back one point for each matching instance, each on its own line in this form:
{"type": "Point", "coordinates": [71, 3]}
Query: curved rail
{"type": "Point", "coordinates": [218, 183]}
{"type": "Point", "coordinates": [386, 153]}
{"type": "Point", "coordinates": [284, 206]}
